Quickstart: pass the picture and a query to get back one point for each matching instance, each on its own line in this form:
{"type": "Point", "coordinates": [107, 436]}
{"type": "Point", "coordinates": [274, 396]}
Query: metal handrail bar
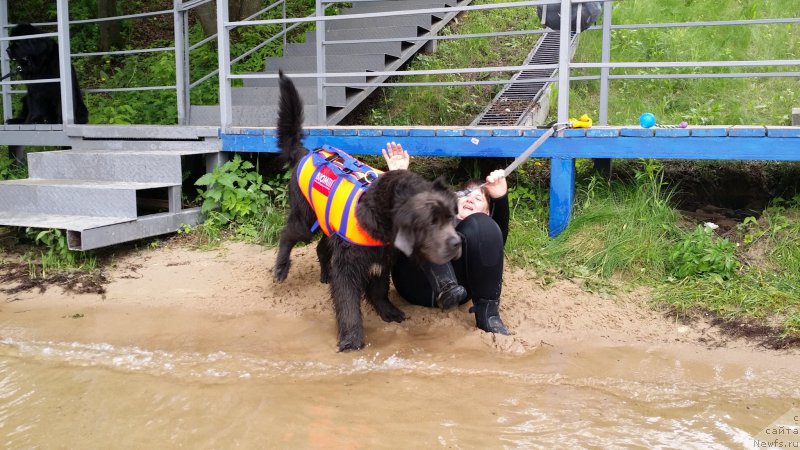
{"type": "Point", "coordinates": [126, 52]}
{"type": "Point", "coordinates": [440, 38]}
{"type": "Point", "coordinates": [193, 4]}
{"type": "Point", "coordinates": [202, 42]}
{"type": "Point", "coordinates": [143, 88]}
{"type": "Point", "coordinates": [670, 64]}
{"type": "Point", "coordinates": [39, 81]}
{"type": "Point", "coordinates": [713, 23]}
{"type": "Point", "coordinates": [663, 64]}
{"type": "Point", "coordinates": [405, 12]}
{"type": "Point", "coordinates": [29, 36]}
{"type": "Point", "coordinates": [572, 78]}
{"type": "Point", "coordinates": [107, 19]}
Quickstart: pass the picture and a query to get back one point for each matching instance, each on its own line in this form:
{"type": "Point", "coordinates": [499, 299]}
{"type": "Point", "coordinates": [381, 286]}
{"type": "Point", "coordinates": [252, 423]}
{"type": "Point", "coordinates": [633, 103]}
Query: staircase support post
{"type": "Point", "coordinates": [65, 62]}
{"type": "Point", "coordinates": [224, 61]}
{"type": "Point", "coordinates": [321, 66]}
{"type": "Point", "coordinates": [180, 21]}
{"type": "Point", "coordinates": [5, 64]}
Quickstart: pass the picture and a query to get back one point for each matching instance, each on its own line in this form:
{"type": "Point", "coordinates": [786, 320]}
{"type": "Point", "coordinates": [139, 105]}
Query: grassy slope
{"type": "Point", "coordinates": [699, 101]}
{"type": "Point", "coordinates": [626, 234]}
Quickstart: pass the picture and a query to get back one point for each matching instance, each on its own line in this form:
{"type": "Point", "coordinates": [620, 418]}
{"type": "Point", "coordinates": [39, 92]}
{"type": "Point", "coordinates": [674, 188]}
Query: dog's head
{"type": "Point", "coordinates": [424, 225]}
{"type": "Point", "coordinates": [30, 55]}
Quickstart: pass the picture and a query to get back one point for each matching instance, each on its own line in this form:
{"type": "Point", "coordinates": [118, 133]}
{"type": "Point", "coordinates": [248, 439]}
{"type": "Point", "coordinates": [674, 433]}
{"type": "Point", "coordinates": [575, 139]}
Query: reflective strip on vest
{"type": "Point", "coordinates": [333, 195]}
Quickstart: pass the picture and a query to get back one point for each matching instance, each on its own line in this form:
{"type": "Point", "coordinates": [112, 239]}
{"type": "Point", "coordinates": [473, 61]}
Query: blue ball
{"type": "Point", "coordinates": [647, 120]}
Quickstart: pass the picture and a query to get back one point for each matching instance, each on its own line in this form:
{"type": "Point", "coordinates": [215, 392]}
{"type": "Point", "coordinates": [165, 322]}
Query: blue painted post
{"type": "Point", "coordinates": [562, 193]}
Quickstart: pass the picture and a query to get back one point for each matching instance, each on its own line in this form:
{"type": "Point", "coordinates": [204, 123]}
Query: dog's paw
{"type": "Point", "coordinates": [324, 277]}
{"type": "Point", "coordinates": [280, 272]}
{"type": "Point", "coordinates": [392, 315]}
{"type": "Point", "coordinates": [351, 344]}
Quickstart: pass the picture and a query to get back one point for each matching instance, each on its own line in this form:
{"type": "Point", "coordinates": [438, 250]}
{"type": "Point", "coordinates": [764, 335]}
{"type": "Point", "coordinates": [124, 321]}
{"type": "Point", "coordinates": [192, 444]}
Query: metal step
{"type": "Point", "coordinates": [417, 20]}
{"type": "Point", "coordinates": [335, 96]}
{"type": "Point", "coordinates": [107, 165]}
{"type": "Point", "coordinates": [299, 82]}
{"type": "Point", "coordinates": [514, 103]}
{"type": "Point", "coordinates": [383, 6]}
{"type": "Point", "coordinates": [74, 197]}
{"type": "Point", "coordinates": [248, 115]}
{"type": "Point", "coordinates": [393, 49]}
{"type": "Point", "coordinates": [349, 63]}
{"type": "Point", "coordinates": [372, 33]}
{"type": "Point", "coordinates": [91, 232]}
{"type": "Point", "coordinates": [143, 227]}
{"type": "Point", "coordinates": [58, 221]}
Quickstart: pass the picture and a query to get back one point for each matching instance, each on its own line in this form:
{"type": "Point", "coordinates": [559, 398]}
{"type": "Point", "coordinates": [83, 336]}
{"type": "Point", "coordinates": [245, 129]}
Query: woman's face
{"type": "Point", "coordinates": [474, 202]}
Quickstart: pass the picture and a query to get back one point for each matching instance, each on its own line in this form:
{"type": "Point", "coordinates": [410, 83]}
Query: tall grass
{"type": "Point", "coordinates": [617, 229]}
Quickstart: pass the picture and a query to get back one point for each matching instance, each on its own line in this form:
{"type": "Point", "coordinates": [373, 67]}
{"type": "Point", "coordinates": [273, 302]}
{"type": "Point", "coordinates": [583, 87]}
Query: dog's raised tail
{"type": "Point", "coordinates": [290, 121]}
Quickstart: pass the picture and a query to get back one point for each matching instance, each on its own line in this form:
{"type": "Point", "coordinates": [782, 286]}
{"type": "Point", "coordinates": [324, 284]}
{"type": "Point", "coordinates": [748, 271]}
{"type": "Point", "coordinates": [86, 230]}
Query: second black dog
{"type": "Point", "coordinates": [38, 59]}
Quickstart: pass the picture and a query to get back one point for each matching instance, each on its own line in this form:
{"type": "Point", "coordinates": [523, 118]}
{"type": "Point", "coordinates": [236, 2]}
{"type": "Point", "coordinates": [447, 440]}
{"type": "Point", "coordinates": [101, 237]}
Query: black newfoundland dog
{"type": "Point", "coordinates": [37, 59]}
{"type": "Point", "coordinates": [399, 209]}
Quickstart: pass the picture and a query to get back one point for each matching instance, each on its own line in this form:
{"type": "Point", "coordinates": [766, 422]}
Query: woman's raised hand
{"type": "Point", "coordinates": [396, 158]}
{"type": "Point", "coordinates": [496, 185]}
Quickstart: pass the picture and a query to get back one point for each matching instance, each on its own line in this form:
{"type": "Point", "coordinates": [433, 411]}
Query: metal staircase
{"type": "Point", "coordinates": [526, 103]}
{"type": "Point", "coordinates": [255, 104]}
{"type": "Point", "coordinates": [121, 183]}
{"type": "Point", "coordinates": [113, 186]}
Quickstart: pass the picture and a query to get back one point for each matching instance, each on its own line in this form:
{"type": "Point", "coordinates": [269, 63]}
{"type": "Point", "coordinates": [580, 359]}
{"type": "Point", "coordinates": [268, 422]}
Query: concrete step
{"type": "Point", "coordinates": [335, 95]}
{"type": "Point", "coordinates": [248, 115]}
{"type": "Point", "coordinates": [349, 63]}
{"type": "Point", "coordinates": [74, 197]}
{"type": "Point", "coordinates": [107, 165]}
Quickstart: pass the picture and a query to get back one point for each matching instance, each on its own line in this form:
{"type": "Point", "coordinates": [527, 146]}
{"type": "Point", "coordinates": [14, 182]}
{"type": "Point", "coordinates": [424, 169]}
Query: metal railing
{"type": "Point", "coordinates": [604, 70]}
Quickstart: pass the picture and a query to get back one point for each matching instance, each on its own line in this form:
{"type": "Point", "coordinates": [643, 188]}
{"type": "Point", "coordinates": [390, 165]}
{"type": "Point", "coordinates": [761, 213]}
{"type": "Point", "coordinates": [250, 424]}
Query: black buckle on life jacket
{"type": "Point", "coordinates": [342, 164]}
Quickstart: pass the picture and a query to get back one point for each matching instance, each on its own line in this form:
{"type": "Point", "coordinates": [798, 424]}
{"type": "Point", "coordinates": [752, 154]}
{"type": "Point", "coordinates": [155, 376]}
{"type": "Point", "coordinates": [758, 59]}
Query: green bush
{"type": "Point", "coordinates": [702, 253]}
{"type": "Point", "coordinates": [238, 192]}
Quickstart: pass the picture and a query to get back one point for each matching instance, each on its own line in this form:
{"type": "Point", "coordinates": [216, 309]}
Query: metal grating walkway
{"type": "Point", "coordinates": [511, 105]}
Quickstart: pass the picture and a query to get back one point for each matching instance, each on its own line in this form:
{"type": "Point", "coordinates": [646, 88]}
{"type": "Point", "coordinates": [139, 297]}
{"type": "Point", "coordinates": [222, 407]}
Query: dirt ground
{"type": "Point", "coordinates": [235, 280]}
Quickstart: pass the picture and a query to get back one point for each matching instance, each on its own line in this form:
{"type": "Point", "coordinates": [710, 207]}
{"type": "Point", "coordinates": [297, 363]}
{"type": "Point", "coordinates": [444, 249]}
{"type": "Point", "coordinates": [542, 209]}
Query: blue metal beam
{"type": "Point", "coordinates": [733, 143]}
{"type": "Point", "coordinates": [711, 143]}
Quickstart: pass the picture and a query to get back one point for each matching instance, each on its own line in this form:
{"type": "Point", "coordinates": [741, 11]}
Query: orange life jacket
{"type": "Point", "coordinates": [332, 182]}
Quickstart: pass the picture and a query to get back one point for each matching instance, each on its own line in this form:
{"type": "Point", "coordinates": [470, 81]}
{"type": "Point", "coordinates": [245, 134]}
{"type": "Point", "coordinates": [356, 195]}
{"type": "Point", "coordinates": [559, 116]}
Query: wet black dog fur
{"type": "Point", "coordinates": [37, 59]}
{"type": "Point", "coordinates": [401, 208]}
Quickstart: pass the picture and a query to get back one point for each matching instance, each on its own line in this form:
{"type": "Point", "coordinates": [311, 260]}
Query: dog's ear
{"type": "Point", "coordinates": [404, 241]}
{"type": "Point", "coordinates": [439, 184]}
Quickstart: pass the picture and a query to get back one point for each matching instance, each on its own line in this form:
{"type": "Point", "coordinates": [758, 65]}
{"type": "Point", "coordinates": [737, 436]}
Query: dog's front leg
{"type": "Point", "coordinates": [347, 304]}
{"type": "Point", "coordinates": [378, 295]}
{"type": "Point", "coordinates": [347, 286]}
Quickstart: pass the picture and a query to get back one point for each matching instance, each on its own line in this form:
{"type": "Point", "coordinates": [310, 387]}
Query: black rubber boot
{"type": "Point", "coordinates": [487, 316]}
{"type": "Point", "coordinates": [446, 290]}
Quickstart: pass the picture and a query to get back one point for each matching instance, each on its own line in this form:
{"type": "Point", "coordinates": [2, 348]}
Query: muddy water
{"type": "Point", "coordinates": [127, 378]}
